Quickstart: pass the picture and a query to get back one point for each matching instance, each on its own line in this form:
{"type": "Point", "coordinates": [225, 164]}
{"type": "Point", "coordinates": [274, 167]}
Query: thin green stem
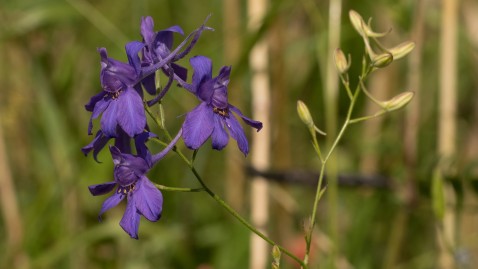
{"type": "Point", "coordinates": [318, 193]}
{"type": "Point", "coordinates": [378, 114]}
{"type": "Point", "coordinates": [345, 81]}
{"type": "Point", "coordinates": [309, 232]}
{"type": "Point", "coordinates": [240, 218]}
{"type": "Point", "coordinates": [205, 188]}
{"type": "Point", "coordinates": [369, 95]}
{"type": "Point", "coordinates": [166, 188]}
{"type": "Point", "coordinates": [226, 206]}
{"type": "Point", "coordinates": [233, 212]}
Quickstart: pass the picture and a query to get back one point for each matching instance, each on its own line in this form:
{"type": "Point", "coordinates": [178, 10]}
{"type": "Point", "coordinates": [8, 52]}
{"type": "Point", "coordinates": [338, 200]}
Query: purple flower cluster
{"type": "Point", "coordinates": [121, 109]}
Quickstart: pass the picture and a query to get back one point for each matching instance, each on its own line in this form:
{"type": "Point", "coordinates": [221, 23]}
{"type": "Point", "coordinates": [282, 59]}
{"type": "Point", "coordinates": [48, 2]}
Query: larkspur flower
{"type": "Point", "coordinates": [120, 102]}
{"type": "Point", "coordinates": [214, 115]}
{"type": "Point", "coordinates": [157, 46]}
{"type": "Point", "coordinates": [130, 180]}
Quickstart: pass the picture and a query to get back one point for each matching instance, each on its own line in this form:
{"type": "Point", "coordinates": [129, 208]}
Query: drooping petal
{"type": "Point", "coordinates": [148, 199]}
{"type": "Point", "coordinates": [219, 136]}
{"type": "Point", "coordinates": [130, 220]}
{"type": "Point", "coordinates": [111, 202]}
{"type": "Point", "coordinates": [198, 126]}
{"type": "Point", "coordinates": [92, 103]}
{"type": "Point", "coordinates": [149, 84]}
{"type": "Point", "coordinates": [180, 71]}
{"type": "Point", "coordinates": [248, 121]}
{"type": "Point", "coordinates": [100, 107]}
{"type": "Point", "coordinates": [141, 149]}
{"type": "Point", "coordinates": [202, 72]}
{"type": "Point", "coordinates": [132, 50]}
{"type": "Point", "coordinates": [108, 119]}
{"type": "Point", "coordinates": [122, 141]}
{"type": "Point", "coordinates": [236, 131]}
{"type": "Point", "coordinates": [100, 189]}
{"type": "Point", "coordinates": [96, 145]}
{"type": "Point", "coordinates": [131, 116]}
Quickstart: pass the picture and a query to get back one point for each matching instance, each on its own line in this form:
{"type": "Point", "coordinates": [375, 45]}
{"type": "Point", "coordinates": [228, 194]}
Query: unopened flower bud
{"type": "Point", "coordinates": [304, 114]}
{"type": "Point", "coordinates": [398, 101]}
{"type": "Point", "coordinates": [341, 61]}
{"type": "Point", "coordinates": [363, 28]}
{"type": "Point", "coordinates": [402, 49]}
{"type": "Point", "coordinates": [357, 21]}
{"type": "Point", "coordinates": [276, 253]}
{"type": "Point", "coordinates": [382, 60]}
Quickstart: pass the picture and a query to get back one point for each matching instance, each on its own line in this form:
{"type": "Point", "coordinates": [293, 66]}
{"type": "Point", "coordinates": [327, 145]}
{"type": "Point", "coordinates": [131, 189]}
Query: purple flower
{"type": "Point", "coordinates": [143, 198]}
{"type": "Point", "coordinates": [157, 46]}
{"type": "Point", "coordinates": [120, 102]}
{"type": "Point", "coordinates": [214, 115]}
{"type": "Point", "coordinates": [130, 180]}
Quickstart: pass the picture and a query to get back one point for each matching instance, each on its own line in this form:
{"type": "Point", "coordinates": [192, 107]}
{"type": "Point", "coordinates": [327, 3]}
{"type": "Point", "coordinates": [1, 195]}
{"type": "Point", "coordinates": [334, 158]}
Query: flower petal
{"type": "Point", "coordinates": [92, 103]}
{"type": "Point", "coordinates": [223, 77]}
{"type": "Point", "coordinates": [128, 168]}
{"type": "Point", "coordinates": [122, 141]}
{"type": "Point", "coordinates": [166, 36]}
{"type": "Point", "coordinates": [148, 199]}
{"type": "Point", "coordinates": [198, 126]}
{"type": "Point", "coordinates": [130, 220]}
{"type": "Point", "coordinates": [219, 97]}
{"type": "Point", "coordinates": [202, 72]}
{"type": "Point", "coordinates": [116, 154]}
{"type": "Point", "coordinates": [219, 137]}
{"type": "Point", "coordinates": [141, 149]}
{"type": "Point", "coordinates": [147, 29]}
{"type": "Point", "coordinates": [149, 84]}
{"type": "Point", "coordinates": [248, 121]}
{"type": "Point", "coordinates": [131, 116]}
{"type": "Point", "coordinates": [100, 107]}
{"type": "Point", "coordinates": [180, 71]}
{"type": "Point", "coordinates": [132, 50]}
{"type": "Point", "coordinates": [96, 145]}
{"type": "Point", "coordinates": [236, 131]}
{"type": "Point", "coordinates": [111, 202]}
{"type": "Point", "coordinates": [100, 189]}
{"type": "Point", "coordinates": [108, 119]}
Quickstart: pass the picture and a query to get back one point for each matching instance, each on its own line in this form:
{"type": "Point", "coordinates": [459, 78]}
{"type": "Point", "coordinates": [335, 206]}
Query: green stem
{"type": "Point", "coordinates": [241, 219]}
{"type": "Point", "coordinates": [378, 114]}
{"type": "Point", "coordinates": [318, 193]}
{"type": "Point", "coordinates": [215, 196]}
{"type": "Point", "coordinates": [233, 212]}
{"type": "Point", "coordinates": [166, 188]}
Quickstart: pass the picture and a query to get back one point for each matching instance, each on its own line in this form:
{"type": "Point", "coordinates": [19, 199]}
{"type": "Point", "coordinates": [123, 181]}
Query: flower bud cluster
{"type": "Point", "coordinates": [386, 55]}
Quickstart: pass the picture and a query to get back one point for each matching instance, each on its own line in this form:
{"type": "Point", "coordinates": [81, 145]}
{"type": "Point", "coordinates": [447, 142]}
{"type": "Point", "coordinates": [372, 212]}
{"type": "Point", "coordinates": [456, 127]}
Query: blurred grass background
{"type": "Point", "coordinates": [49, 68]}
